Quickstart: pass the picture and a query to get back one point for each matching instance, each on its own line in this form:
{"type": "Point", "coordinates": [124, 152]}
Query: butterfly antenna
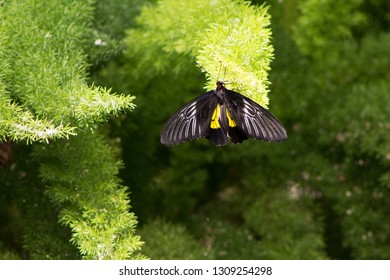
{"type": "Point", "coordinates": [219, 71]}
{"type": "Point", "coordinates": [203, 70]}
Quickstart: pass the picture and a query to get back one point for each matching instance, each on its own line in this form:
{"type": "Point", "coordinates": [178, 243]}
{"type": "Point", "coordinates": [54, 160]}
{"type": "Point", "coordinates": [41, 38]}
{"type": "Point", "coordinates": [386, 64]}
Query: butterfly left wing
{"type": "Point", "coordinates": [190, 122]}
{"type": "Point", "coordinates": [252, 119]}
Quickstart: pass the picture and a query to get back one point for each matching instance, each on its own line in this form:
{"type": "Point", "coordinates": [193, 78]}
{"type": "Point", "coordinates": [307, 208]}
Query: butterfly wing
{"type": "Point", "coordinates": [190, 122]}
{"type": "Point", "coordinates": [252, 119]}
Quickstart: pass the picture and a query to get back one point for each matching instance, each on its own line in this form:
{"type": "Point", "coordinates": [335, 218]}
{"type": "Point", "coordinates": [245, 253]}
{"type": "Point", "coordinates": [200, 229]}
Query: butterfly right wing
{"type": "Point", "coordinates": [190, 122]}
{"type": "Point", "coordinates": [253, 120]}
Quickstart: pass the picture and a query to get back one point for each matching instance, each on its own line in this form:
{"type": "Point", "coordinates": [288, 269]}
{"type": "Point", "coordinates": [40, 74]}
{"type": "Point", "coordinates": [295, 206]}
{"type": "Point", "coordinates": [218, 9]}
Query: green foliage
{"type": "Point", "coordinates": [291, 232]}
{"type": "Point", "coordinates": [229, 40]}
{"type": "Point", "coordinates": [68, 189]}
{"type": "Point", "coordinates": [352, 79]}
{"type": "Point", "coordinates": [45, 71]}
{"type": "Point", "coordinates": [177, 242]}
{"type": "Point", "coordinates": [322, 26]}
{"type": "Point", "coordinates": [92, 202]}
{"type": "Point", "coordinates": [7, 255]}
{"type": "Point", "coordinates": [111, 19]}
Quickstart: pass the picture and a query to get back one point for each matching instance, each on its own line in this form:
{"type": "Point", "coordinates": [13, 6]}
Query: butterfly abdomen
{"type": "Point", "coordinates": [218, 126]}
{"type": "Point", "coordinates": [222, 124]}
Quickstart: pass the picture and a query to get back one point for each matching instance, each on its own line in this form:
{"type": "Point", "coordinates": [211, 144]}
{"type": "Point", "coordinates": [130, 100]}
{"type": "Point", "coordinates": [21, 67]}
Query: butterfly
{"type": "Point", "coordinates": [220, 115]}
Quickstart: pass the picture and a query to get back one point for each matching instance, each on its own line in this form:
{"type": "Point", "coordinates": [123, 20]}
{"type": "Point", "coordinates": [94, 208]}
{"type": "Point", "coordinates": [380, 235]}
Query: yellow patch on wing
{"type": "Point", "coordinates": [232, 123]}
{"type": "Point", "coordinates": [215, 117]}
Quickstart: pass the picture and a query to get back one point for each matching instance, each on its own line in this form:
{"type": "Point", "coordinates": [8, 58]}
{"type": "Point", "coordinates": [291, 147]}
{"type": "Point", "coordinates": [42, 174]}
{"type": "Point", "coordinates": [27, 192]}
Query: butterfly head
{"type": "Point", "coordinates": [220, 85]}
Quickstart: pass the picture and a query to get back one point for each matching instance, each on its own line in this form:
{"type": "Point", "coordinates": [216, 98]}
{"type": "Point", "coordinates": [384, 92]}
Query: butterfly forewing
{"type": "Point", "coordinates": [191, 121]}
{"type": "Point", "coordinates": [254, 120]}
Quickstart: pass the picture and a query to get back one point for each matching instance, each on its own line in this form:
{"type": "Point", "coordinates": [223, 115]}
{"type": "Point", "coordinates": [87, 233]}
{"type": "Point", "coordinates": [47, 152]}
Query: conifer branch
{"type": "Point", "coordinates": [44, 95]}
{"type": "Point", "coordinates": [19, 125]}
{"type": "Point", "coordinates": [230, 40]}
{"type": "Point", "coordinates": [93, 203]}
{"type": "Point", "coordinates": [45, 71]}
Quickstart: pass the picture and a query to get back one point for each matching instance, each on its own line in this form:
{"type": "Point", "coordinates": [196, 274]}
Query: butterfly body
{"type": "Point", "coordinates": [220, 115]}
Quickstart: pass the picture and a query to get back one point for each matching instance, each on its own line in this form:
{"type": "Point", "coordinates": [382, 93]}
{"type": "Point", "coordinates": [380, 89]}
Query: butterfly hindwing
{"type": "Point", "coordinates": [191, 121]}
{"type": "Point", "coordinates": [252, 119]}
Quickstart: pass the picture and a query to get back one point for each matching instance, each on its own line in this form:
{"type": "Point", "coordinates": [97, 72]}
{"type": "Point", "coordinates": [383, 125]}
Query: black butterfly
{"type": "Point", "coordinates": [221, 114]}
